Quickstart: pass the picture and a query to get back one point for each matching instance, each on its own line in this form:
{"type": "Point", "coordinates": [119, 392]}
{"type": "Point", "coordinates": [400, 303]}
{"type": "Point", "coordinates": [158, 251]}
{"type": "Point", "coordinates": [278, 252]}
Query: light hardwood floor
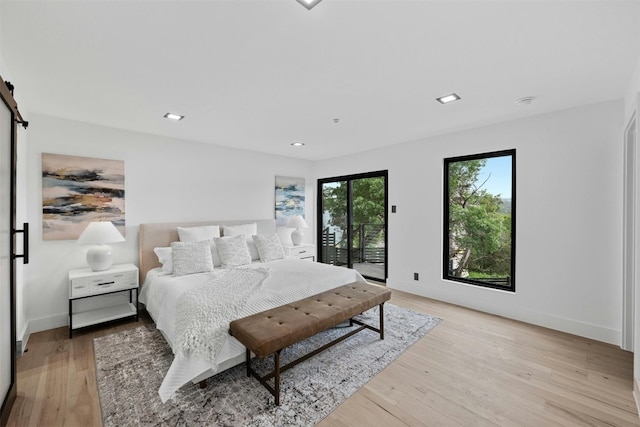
{"type": "Point", "coordinates": [472, 369]}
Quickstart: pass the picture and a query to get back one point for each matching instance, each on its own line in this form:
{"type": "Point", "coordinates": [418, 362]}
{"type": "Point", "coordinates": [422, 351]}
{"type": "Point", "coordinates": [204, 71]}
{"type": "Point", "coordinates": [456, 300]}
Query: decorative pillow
{"type": "Point", "coordinates": [269, 246]}
{"type": "Point", "coordinates": [191, 257]}
{"type": "Point", "coordinates": [164, 256]}
{"type": "Point", "coordinates": [233, 250]}
{"type": "Point", "coordinates": [253, 249]}
{"type": "Point", "coordinates": [215, 255]}
{"type": "Point", "coordinates": [247, 230]}
{"type": "Point", "coordinates": [197, 234]}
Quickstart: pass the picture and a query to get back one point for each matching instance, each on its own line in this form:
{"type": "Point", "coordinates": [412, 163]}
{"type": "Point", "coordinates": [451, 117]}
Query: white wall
{"type": "Point", "coordinates": [632, 106]}
{"type": "Point", "coordinates": [569, 217]}
{"type": "Point", "coordinates": [632, 98]}
{"type": "Point", "coordinates": [165, 180]}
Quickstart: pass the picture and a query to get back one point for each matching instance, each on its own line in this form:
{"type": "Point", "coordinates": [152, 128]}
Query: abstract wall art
{"type": "Point", "coordinates": [78, 190]}
{"type": "Point", "coordinates": [289, 198]}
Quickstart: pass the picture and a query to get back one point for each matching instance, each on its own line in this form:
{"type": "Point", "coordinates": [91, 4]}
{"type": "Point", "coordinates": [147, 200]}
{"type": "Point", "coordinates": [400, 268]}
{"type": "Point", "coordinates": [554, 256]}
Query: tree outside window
{"type": "Point", "coordinates": [479, 212]}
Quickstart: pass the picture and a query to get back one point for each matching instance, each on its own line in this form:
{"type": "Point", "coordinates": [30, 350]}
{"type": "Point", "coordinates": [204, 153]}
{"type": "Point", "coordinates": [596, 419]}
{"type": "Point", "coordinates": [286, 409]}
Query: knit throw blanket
{"type": "Point", "coordinates": [203, 314]}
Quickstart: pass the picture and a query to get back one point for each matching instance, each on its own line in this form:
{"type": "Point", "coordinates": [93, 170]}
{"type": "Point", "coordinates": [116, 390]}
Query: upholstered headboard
{"type": "Point", "coordinates": [162, 234]}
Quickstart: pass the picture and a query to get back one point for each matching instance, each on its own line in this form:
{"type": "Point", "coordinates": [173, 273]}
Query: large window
{"type": "Point", "coordinates": [479, 219]}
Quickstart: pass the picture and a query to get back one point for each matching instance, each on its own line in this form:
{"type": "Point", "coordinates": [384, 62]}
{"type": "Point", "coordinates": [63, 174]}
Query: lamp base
{"type": "Point", "coordinates": [100, 257]}
{"type": "Point", "coordinates": [296, 237]}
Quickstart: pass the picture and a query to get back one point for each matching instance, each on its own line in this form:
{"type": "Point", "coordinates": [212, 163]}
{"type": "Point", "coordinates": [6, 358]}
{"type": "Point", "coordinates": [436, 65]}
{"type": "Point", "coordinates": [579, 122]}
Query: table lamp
{"type": "Point", "coordinates": [98, 234]}
{"type": "Point", "coordinates": [297, 222]}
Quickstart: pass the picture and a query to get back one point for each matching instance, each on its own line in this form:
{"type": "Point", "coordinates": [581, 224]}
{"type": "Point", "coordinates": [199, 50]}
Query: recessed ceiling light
{"type": "Point", "coordinates": [297, 144]}
{"type": "Point", "coordinates": [448, 98]}
{"type": "Point", "coordinates": [173, 116]}
{"type": "Point", "coordinates": [309, 4]}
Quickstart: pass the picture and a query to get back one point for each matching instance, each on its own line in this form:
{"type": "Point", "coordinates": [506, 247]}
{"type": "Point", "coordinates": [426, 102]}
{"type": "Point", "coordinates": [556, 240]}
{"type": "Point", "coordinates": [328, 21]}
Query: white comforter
{"type": "Point", "coordinates": [289, 280]}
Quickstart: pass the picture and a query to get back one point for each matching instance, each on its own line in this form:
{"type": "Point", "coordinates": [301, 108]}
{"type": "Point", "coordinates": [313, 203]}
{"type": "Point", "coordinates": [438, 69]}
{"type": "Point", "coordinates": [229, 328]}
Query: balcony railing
{"type": "Point", "coordinates": [364, 250]}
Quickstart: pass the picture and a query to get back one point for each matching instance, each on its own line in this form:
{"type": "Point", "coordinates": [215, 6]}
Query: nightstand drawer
{"type": "Point", "coordinates": [306, 251]}
{"type": "Point", "coordinates": [105, 283]}
{"type": "Point", "coordinates": [301, 251]}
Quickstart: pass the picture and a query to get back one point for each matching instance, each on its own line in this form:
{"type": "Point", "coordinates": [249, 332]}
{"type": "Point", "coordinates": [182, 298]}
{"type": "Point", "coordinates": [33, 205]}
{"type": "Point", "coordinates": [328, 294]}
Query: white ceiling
{"type": "Point", "coordinates": [258, 75]}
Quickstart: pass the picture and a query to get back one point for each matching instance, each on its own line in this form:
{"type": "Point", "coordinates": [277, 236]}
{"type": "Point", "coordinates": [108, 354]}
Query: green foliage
{"type": "Point", "coordinates": [498, 262]}
{"type": "Point", "coordinates": [479, 230]}
{"type": "Point", "coordinates": [368, 209]}
{"type": "Point", "coordinates": [368, 201]}
{"type": "Point", "coordinates": [481, 275]}
{"type": "Point", "coordinates": [334, 201]}
{"type": "Point", "coordinates": [462, 180]}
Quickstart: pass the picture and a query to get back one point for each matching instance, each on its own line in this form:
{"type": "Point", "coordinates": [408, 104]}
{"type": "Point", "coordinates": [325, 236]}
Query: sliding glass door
{"type": "Point", "coordinates": [7, 286]}
{"type": "Point", "coordinates": [6, 362]}
{"type": "Point", "coordinates": [352, 231]}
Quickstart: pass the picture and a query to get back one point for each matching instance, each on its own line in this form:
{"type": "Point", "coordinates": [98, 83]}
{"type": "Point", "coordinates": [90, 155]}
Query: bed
{"type": "Point", "coordinates": [181, 303]}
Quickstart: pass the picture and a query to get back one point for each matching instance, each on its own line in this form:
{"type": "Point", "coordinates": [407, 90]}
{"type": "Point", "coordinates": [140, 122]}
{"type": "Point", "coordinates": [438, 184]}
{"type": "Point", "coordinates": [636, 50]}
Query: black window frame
{"type": "Point", "coordinates": [319, 215]}
{"type": "Point", "coordinates": [511, 284]}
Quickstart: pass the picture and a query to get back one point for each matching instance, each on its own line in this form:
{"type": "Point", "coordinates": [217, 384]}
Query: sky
{"type": "Point", "coordinates": [500, 179]}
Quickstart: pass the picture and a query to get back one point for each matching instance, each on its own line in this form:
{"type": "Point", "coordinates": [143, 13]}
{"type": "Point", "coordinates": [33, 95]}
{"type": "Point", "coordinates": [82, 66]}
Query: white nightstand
{"type": "Point", "coordinates": [85, 283]}
{"type": "Point", "coordinates": [304, 251]}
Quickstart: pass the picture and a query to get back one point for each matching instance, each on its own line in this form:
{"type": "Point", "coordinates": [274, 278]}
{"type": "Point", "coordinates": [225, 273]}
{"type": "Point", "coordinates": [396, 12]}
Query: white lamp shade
{"type": "Point", "coordinates": [100, 256]}
{"type": "Point", "coordinates": [98, 233]}
{"type": "Point", "coordinates": [309, 4]}
{"type": "Point", "coordinates": [297, 221]}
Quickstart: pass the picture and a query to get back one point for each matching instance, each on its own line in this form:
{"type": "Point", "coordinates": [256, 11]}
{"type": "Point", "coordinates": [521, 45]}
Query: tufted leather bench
{"type": "Point", "coordinates": [270, 331]}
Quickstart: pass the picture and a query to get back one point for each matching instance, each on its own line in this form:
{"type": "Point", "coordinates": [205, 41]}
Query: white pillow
{"type": "Point", "coordinates": [164, 256]}
{"type": "Point", "coordinates": [191, 257]}
{"type": "Point", "coordinates": [215, 255]}
{"type": "Point", "coordinates": [247, 230]}
{"type": "Point", "coordinates": [253, 249]}
{"type": "Point", "coordinates": [269, 246]}
{"type": "Point", "coordinates": [197, 234]}
{"type": "Point", "coordinates": [233, 250]}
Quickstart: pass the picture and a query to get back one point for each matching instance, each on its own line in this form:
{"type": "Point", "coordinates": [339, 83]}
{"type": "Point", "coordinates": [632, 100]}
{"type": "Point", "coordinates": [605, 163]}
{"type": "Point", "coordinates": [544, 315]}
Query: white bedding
{"type": "Point", "coordinates": [289, 280]}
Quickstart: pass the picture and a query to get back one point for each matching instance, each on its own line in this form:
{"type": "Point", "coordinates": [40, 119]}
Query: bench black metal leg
{"type": "Point", "coordinates": [276, 361]}
{"type": "Point", "coordinates": [248, 357]}
{"type": "Point", "coordinates": [382, 321]}
{"type": "Point", "coordinates": [70, 319]}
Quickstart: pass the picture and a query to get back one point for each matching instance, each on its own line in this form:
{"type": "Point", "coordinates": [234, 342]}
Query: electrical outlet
{"type": "Point", "coordinates": [415, 276]}
{"type": "Point", "coordinates": [393, 208]}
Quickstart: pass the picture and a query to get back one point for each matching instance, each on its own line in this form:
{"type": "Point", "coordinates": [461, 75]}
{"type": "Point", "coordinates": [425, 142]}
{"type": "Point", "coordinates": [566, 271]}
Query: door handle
{"type": "Point", "coordinates": [25, 243]}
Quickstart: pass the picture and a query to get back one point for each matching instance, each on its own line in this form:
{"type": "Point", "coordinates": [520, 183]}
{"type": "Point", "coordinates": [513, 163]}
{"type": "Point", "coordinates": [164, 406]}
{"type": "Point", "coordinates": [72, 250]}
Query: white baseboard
{"type": "Point", "coordinates": [546, 320]}
{"type": "Point", "coordinates": [37, 325]}
{"type": "Point", "coordinates": [46, 323]}
{"type": "Point", "coordinates": [22, 341]}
